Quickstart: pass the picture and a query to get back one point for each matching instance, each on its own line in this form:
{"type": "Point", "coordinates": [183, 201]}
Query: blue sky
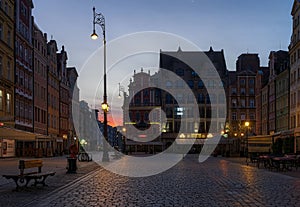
{"type": "Point", "coordinates": [236, 26]}
{"type": "Point", "coordinates": [256, 26]}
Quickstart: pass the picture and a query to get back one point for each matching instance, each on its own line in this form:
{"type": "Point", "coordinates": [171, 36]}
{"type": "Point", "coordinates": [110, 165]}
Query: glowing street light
{"type": "Point", "coordinates": [100, 20]}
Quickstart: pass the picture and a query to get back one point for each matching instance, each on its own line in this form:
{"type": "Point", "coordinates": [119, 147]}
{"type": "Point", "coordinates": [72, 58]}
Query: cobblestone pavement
{"type": "Point", "coordinates": [216, 182]}
{"type": "Point", "coordinates": [10, 198]}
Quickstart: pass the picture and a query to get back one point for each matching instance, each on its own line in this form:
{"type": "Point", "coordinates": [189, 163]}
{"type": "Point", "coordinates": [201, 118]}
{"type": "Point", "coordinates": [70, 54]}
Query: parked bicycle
{"type": "Point", "coordinates": [84, 157]}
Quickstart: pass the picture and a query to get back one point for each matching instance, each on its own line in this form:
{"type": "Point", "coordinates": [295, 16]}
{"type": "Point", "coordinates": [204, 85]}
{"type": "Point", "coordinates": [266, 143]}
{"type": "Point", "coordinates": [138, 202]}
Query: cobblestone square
{"type": "Point", "coordinates": [215, 182]}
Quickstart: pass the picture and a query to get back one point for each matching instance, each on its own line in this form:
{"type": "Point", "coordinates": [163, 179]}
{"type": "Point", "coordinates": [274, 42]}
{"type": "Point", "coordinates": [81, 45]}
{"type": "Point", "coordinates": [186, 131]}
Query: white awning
{"type": "Point", "coordinates": [11, 133]}
{"type": "Point", "coordinates": [143, 143]}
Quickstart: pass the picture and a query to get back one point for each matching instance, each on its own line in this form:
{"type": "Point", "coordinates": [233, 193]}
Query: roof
{"type": "Point", "coordinates": [295, 7]}
{"type": "Point", "coordinates": [192, 58]}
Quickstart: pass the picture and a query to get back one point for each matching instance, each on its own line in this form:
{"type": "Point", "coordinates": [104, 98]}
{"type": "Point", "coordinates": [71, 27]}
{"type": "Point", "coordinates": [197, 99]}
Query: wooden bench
{"type": "Point", "coordinates": [23, 178]}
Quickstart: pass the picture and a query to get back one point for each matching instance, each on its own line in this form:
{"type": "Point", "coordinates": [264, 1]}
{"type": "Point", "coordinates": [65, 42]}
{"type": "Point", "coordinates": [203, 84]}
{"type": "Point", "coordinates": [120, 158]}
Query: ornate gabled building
{"type": "Point", "coordinates": [242, 93]}
{"type": "Point", "coordinates": [40, 81]}
{"type": "Point", "coordinates": [141, 100]}
{"type": "Point", "coordinates": [261, 98]}
{"type": "Point", "coordinates": [23, 65]}
{"type": "Point", "coordinates": [241, 99]}
{"type": "Point", "coordinates": [73, 104]}
{"type": "Point", "coordinates": [172, 61]}
{"type": "Point", "coordinates": [64, 99]}
{"type": "Point", "coordinates": [53, 94]}
{"type": "Point", "coordinates": [294, 52]}
{"type": "Point", "coordinates": [172, 97]}
{"type": "Point", "coordinates": [7, 63]}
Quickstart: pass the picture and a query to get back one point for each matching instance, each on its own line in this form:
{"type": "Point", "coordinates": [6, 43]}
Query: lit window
{"type": "Point", "coordinates": [1, 100]}
{"type": "Point", "coordinates": [179, 111]}
{"type": "Point", "coordinates": [8, 102]}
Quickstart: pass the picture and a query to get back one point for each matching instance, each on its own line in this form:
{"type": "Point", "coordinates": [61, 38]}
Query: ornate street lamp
{"type": "Point", "coordinates": [100, 20]}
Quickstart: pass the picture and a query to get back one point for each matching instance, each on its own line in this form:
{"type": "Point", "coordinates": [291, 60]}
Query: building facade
{"type": "Point", "coordinates": [40, 81]}
{"type": "Point", "coordinates": [73, 105]}
{"type": "Point", "coordinates": [137, 106]}
{"type": "Point", "coordinates": [294, 52]}
{"type": "Point", "coordinates": [23, 66]}
{"type": "Point", "coordinates": [64, 99]}
{"type": "Point", "coordinates": [7, 63]}
{"type": "Point", "coordinates": [53, 96]}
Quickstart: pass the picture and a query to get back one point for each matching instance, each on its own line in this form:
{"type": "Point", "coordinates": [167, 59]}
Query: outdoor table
{"type": "Point", "coordinates": [284, 163]}
{"type": "Point", "coordinates": [265, 159]}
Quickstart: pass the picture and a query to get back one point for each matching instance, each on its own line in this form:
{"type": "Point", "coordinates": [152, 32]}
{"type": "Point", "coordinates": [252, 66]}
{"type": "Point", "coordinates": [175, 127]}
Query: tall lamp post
{"type": "Point", "coordinates": [247, 141]}
{"type": "Point", "coordinates": [100, 20]}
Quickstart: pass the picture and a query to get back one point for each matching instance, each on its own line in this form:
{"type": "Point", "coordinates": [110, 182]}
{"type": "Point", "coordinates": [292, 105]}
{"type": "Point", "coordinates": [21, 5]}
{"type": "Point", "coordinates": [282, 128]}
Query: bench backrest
{"type": "Point", "coordinates": [25, 164]}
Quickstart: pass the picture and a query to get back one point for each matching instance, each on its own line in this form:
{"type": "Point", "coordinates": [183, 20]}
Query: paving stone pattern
{"type": "Point", "coordinates": [11, 198]}
{"type": "Point", "coordinates": [216, 182]}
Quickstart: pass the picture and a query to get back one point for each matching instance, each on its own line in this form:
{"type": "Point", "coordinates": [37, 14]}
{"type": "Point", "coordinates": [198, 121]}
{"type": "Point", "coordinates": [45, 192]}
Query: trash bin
{"type": "Point", "coordinates": [72, 165]}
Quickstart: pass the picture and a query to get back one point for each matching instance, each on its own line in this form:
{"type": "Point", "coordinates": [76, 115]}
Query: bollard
{"type": "Point", "coordinates": [72, 165]}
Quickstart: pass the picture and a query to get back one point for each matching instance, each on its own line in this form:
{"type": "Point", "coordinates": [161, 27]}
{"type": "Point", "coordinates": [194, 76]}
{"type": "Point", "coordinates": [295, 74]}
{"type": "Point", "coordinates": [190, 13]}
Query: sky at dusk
{"type": "Point", "coordinates": [235, 26]}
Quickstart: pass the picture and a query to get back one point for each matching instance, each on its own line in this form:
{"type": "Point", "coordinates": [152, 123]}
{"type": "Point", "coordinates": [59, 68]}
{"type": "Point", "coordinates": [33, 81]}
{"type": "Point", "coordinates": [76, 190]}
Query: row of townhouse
{"type": "Point", "coordinates": [36, 88]}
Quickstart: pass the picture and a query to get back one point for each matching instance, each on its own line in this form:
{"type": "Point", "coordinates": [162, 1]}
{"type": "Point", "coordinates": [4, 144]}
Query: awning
{"type": "Point", "coordinates": [190, 141]}
{"type": "Point", "coordinates": [42, 137]}
{"type": "Point", "coordinates": [198, 141]}
{"type": "Point", "coordinates": [143, 143]}
{"type": "Point", "coordinates": [11, 133]}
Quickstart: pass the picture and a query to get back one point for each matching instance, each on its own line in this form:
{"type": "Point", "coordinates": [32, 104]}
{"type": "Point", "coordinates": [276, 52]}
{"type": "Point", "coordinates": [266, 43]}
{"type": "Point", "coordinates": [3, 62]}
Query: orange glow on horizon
{"type": "Point", "coordinates": [116, 121]}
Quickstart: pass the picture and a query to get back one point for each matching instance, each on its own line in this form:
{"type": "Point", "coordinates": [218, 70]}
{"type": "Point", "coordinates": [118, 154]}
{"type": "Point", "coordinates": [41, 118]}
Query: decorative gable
{"type": "Point", "coordinates": [295, 7]}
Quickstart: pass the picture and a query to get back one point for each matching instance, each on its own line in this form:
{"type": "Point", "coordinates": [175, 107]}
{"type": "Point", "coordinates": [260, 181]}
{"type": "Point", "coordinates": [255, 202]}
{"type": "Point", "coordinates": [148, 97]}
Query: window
{"type": "Point", "coordinates": [251, 91]}
{"type": "Point", "coordinates": [210, 84]}
{"type": "Point", "coordinates": [233, 117]}
{"type": "Point", "coordinates": [251, 103]}
{"type": "Point", "coordinates": [213, 98]}
{"type": "Point", "coordinates": [233, 91]}
{"type": "Point", "coordinates": [200, 98]}
{"type": "Point", "coordinates": [1, 31]}
{"type": "Point", "coordinates": [200, 84]}
{"type": "Point", "coordinates": [1, 66]}
{"type": "Point", "coordinates": [8, 103]}
{"type": "Point", "coordinates": [8, 70]}
{"type": "Point", "coordinates": [233, 102]}
{"type": "Point", "coordinates": [137, 116]}
{"type": "Point", "coordinates": [169, 84]}
{"type": "Point", "coordinates": [207, 99]}
{"type": "Point", "coordinates": [222, 98]}
{"type": "Point", "coordinates": [251, 82]}
{"type": "Point", "coordinates": [193, 73]}
{"type": "Point", "coordinates": [17, 108]}
{"type": "Point", "coordinates": [243, 91]}
{"type": "Point", "coordinates": [191, 84]}
{"type": "Point", "coordinates": [5, 8]}
{"type": "Point", "coordinates": [179, 111]}
{"type": "Point", "coordinates": [243, 103]}
{"type": "Point", "coordinates": [243, 116]}
{"type": "Point", "coordinates": [23, 10]}
{"type": "Point", "coordinates": [168, 99]}
{"type": "Point", "coordinates": [242, 81]}
{"type": "Point", "coordinates": [179, 97]}
{"type": "Point", "coordinates": [180, 72]}
{"type": "Point", "coordinates": [9, 37]}
{"type": "Point", "coordinates": [191, 98]}
{"type": "Point", "coordinates": [252, 116]}
{"type": "Point", "coordinates": [1, 100]}
{"type": "Point", "coordinates": [179, 84]}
